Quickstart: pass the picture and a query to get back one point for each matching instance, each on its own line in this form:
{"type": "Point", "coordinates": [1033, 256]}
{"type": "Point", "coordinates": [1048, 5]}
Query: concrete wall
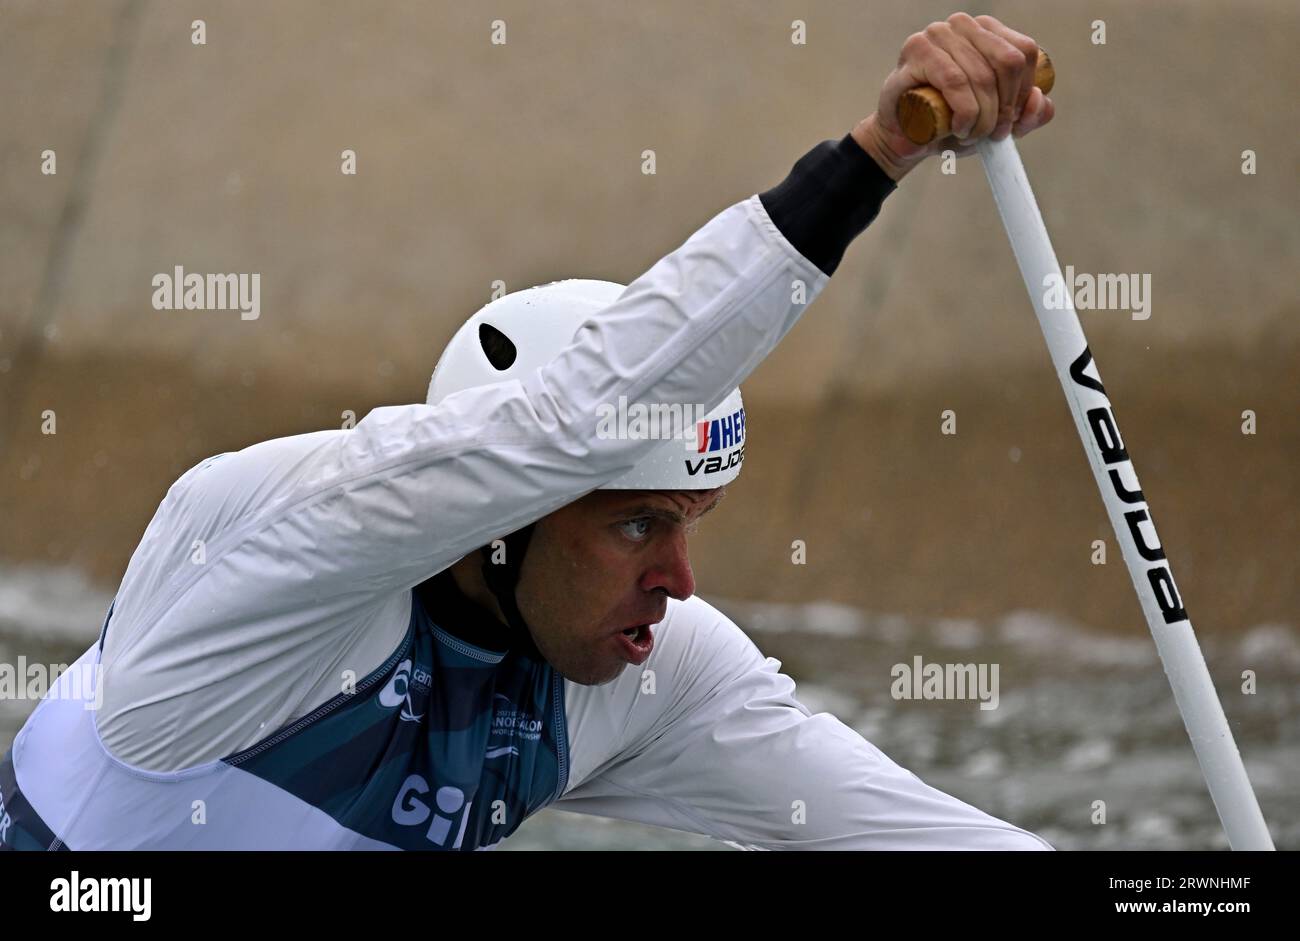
{"type": "Point", "coordinates": [522, 163]}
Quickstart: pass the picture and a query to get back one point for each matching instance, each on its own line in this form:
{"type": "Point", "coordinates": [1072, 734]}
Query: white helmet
{"type": "Point", "coordinates": [516, 334]}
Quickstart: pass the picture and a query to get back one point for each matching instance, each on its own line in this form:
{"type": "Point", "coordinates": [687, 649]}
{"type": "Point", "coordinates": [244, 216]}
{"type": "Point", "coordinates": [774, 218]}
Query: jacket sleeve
{"type": "Point", "coordinates": [720, 745]}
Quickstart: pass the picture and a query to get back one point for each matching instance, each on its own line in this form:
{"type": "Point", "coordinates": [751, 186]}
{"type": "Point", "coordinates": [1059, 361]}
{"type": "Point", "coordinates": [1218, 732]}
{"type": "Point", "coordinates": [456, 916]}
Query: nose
{"type": "Point", "coordinates": [670, 569]}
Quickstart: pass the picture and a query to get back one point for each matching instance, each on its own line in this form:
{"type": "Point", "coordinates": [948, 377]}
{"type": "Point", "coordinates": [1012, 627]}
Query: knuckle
{"type": "Point", "coordinates": [1011, 59]}
{"type": "Point", "coordinates": [1027, 46]}
{"type": "Point", "coordinates": [987, 21]}
{"type": "Point", "coordinates": [914, 42]}
{"type": "Point", "coordinates": [936, 31]}
{"type": "Point", "coordinates": [985, 79]}
{"type": "Point", "coordinates": [951, 76]}
{"type": "Point", "coordinates": [961, 19]}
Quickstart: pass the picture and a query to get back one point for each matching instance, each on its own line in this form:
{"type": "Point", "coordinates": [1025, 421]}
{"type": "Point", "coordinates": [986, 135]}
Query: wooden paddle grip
{"type": "Point", "coordinates": [924, 115]}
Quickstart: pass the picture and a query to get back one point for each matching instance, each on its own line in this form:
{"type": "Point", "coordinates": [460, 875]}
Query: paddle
{"type": "Point", "coordinates": [924, 116]}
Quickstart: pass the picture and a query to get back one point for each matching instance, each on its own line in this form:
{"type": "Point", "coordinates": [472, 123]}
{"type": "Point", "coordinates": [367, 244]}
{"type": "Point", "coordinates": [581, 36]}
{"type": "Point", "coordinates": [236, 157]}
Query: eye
{"type": "Point", "coordinates": [636, 529]}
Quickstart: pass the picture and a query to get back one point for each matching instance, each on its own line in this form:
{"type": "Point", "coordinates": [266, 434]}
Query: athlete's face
{"type": "Point", "coordinates": [599, 572]}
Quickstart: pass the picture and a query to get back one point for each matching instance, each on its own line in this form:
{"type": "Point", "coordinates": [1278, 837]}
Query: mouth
{"type": "Point", "coordinates": [635, 643]}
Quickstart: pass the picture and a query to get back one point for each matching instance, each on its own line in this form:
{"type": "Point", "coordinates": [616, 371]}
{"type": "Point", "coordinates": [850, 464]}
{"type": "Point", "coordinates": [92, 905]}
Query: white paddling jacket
{"type": "Point", "coordinates": [288, 664]}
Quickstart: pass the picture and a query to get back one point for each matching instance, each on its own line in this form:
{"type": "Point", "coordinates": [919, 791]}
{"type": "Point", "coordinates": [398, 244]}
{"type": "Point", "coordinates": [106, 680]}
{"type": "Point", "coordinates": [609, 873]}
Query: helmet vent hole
{"type": "Point", "coordinates": [498, 348]}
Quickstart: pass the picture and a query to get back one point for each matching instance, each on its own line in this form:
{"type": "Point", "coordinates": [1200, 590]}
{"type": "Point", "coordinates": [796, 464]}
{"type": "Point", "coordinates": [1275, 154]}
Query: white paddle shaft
{"type": "Point", "coordinates": [1125, 503]}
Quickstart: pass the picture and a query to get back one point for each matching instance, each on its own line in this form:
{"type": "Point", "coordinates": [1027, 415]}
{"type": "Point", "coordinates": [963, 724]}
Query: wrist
{"type": "Point", "coordinates": [881, 146]}
{"type": "Point", "coordinates": [830, 196]}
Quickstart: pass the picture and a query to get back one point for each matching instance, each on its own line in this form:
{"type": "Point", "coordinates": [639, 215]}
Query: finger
{"type": "Point", "coordinates": [922, 62]}
{"type": "Point", "coordinates": [1005, 61]}
{"type": "Point", "coordinates": [979, 76]}
{"type": "Point", "coordinates": [1031, 114]}
{"type": "Point", "coordinates": [1027, 46]}
{"type": "Point", "coordinates": [1038, 111]}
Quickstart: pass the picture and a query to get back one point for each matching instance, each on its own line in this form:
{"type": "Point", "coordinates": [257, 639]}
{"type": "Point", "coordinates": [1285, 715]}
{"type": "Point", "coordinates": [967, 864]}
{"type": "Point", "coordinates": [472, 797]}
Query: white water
{"type": "Point", "coordinates": [1081, 717]}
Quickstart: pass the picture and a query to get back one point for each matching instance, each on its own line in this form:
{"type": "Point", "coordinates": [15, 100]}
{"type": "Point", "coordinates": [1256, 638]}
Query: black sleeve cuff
{"type": "Point", "coordinates": [831, 195]}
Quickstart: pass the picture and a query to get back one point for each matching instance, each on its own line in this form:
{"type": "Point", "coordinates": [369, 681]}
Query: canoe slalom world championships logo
{"type": "Point", "coordinates": [407, 680]}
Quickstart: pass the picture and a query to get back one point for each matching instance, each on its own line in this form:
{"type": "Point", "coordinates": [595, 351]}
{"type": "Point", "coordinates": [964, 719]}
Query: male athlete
{"type": "Point", "coordinates": [419, 631]}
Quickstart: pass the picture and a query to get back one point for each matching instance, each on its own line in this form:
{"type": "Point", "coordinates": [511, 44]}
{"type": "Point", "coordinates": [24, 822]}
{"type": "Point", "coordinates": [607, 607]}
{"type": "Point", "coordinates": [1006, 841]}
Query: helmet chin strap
{"type": "Point", "coordinates": [502, 578]}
